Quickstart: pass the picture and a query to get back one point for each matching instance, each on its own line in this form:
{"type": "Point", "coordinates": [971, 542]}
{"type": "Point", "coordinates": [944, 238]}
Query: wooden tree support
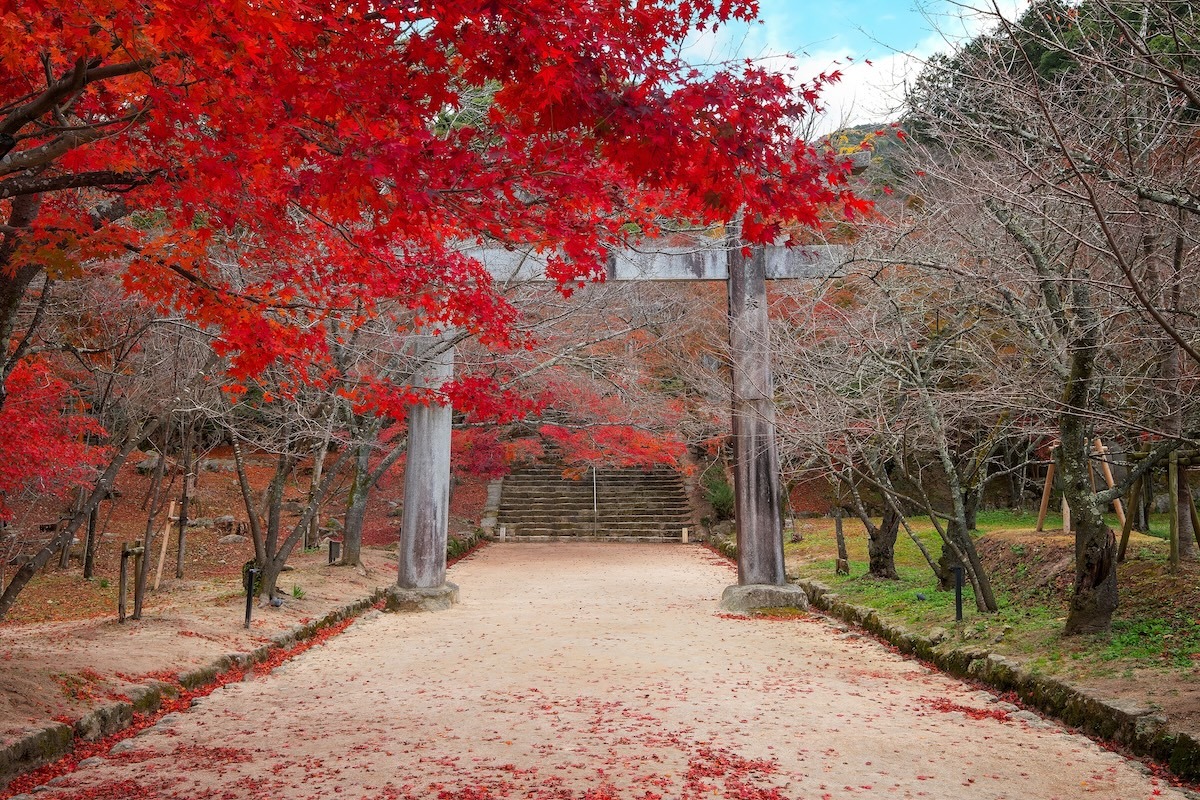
{"type": "Point", "coordinates": [1135, 497]}
{"type": "Point", "coordinates": [1173, 508]}
{"type": "Point", "coordinates": [166, 535]}
{"type": "Point", "coordinates": [1191, 506]}
{"type": "Point", "coordinates": [1186, 458]}
{"type": "Point", "coordinates": [1100, 451]}
{"type": "Point", "coordinates": [1046, 490]}
{"type": "Point", "coordinates": [1106, 471]}
{"type": "Point", "coordinates": [1178, 463]}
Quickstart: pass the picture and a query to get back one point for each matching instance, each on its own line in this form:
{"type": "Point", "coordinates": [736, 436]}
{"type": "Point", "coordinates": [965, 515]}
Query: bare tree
{"type": "Point", "coordinates": [1074, 127]}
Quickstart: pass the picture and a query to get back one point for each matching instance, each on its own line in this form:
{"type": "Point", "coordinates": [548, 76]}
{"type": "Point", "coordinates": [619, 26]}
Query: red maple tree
{"type": "Point", "coordinates": [260, 165]}
{"type": "Point", "coordinates": [46, 434]}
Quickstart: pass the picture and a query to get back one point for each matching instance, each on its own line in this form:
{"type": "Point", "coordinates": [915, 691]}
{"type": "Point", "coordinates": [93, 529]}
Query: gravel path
{"type": "Point", "coordinates": [598, 671]}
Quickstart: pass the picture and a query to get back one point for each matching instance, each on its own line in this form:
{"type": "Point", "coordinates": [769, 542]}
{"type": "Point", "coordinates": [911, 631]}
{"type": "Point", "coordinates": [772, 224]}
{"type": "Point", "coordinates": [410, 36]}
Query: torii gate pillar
{"type": "Point", "coordinates": [762, 581]}
{"type": "Point", "coordinates": [755, 461]}
{"type": "Point", "coordinates": [421, 580]}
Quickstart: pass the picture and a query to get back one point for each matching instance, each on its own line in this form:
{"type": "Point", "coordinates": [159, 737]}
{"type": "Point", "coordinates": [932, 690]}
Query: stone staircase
{"type": "Point", "coordinates": [538, 504]}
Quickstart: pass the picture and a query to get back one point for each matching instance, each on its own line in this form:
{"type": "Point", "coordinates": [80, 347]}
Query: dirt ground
{"type": "Point", "coordinates": [59, 670]}
{"type": "Point", "coordinates": [1149, 590]}
{"type": "Point", "coordinates": [62, 651]}
{"type": "Point", "coordinates": [603, 671]}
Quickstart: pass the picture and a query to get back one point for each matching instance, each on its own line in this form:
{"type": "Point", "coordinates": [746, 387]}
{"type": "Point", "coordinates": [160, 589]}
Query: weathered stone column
{"type": "Point", "coordinates": [421, 582]}
{"type": "Point", "coordinates": [761, 577]}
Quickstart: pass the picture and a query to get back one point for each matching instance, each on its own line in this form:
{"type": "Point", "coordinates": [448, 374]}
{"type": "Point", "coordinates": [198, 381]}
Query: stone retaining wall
{"type": "Point", "coordinates": [43, 745]}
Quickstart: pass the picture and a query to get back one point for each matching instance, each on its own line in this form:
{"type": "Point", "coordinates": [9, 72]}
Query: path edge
{"type": "Point", "coordinates": [51, 742]}
{"type": "Point", "coordinates": [1142, 730]}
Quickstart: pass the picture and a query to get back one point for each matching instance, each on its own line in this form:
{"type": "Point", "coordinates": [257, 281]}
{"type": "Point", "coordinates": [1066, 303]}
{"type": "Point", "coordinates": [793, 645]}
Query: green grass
{"type": "Point", "coordinates": [1030, 619]}
{"type": "Point", "coordinates": [1159, 641]}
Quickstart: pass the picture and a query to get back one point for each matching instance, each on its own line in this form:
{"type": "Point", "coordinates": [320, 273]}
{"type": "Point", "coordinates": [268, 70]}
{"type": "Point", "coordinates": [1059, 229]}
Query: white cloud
{"type": "Point", "coordinates": [867, 92]}
{"type": "Point", "coordinates": [870, 90]}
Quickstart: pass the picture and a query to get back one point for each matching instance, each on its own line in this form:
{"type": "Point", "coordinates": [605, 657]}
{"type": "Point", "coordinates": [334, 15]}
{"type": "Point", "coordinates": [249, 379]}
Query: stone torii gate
{"type": "Point", "coordinates": [421, 583]}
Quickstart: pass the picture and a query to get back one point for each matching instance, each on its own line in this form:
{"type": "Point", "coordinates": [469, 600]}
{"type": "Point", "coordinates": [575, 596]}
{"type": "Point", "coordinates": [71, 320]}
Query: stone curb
{"type": "Point", "coordinates": [1141, 730]}
{"type": "Point", "coordinates": [43, 745]}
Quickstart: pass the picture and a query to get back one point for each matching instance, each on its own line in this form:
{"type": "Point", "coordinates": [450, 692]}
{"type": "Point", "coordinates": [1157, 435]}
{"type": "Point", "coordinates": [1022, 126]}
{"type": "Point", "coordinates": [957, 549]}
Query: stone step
{"type": "Point", "coordinates": [669, 522]}
{"type": "Point", "coordinates": [569, 515]}
{"type": "Point", "coordinates": [588, 485]}
{"type": "Point", "coordinates": [598, 538]}
{"type": "Point", "coordinates": [557, 489]}
{"type": "Point", "coordinates": [623, 498]}
{"type": "Point", "coordinates": [555, 519]}
{"type": "Point", "coordinates": [604, 508]}
{"type": "Point", "coordinates": [561, 533]}
{"type": "Point", "coordinates": [580, 525]}
{"type": "Point", "coordinates": [518, 481]}
{"type": "Point", "coordinates": [538, 504]}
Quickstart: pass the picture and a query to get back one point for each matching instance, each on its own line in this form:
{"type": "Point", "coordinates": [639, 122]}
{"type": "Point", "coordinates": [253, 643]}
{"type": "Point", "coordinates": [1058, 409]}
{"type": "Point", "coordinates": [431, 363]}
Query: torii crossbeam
{"type": "Point", "coordinates": [421, 583]}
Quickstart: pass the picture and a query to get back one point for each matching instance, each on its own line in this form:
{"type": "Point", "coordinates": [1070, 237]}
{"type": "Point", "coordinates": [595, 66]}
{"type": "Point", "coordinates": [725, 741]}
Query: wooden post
{"type": "Point", "coordinates": [1046, 490]}
{"type": "Point", "coordinates": [755, 462]}
{"type": "Point", "coordinates": [424, 526]}
{"type": "Point", "coordinates": [1173, 509]}
{"type": "Point", "coordinates": [1135, 497]}
{"type": "Point", "coordinates": [123, 584]}
{"type": "Point", "coordinates": [1066, 515]}
{"type": "Point", "coordinates": [1106, 471]}
{"type": "Point", "coordinates": [139, 580]}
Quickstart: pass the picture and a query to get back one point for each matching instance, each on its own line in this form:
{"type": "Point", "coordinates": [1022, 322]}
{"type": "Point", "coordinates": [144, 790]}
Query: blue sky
{"type": "Point", "coordinates": [872, 28]}
{"type": "Point", "coordinates": [824, 35]}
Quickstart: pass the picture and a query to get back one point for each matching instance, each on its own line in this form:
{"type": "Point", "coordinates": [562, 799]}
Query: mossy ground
{"type": "Point", "coordinates": [1152, 651]}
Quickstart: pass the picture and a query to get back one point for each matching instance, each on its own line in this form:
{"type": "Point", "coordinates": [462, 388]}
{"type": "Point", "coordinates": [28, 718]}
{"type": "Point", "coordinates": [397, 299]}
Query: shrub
{"type": "Point", "coordinates": [719, 494]}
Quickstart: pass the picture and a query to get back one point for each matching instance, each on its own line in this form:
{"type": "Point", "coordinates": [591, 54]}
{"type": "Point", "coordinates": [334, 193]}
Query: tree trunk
{"type": "Point", "coordinates": [985, 598]}
{"type": "Point", "coordinates": [273, 568]}
{"type": "Point", "coordinates": [89, 546]}
{"type": "Point", "coordinates": [1145, 505]}
{"type": "Point", "coordinates": [313, 532]}
{"type": "Point", "coordinates": [843, 557]}
{"type": "Point", "coordinates": [1187, 535]}
{"type": "Point", "coordinates": [356, 506]}
{"type": "Point", "coordinates": [881, 546]}
{"type": "Point", "coordinates": [143, 573]}
{"type": "Point", "coordinates": [256, 531]}
{"type": "Point", "coordinates": [948, 560]}
{"type": "Point", "coordinates": [1172, 367]}
{"type": "Point", "coordinates": [14, 281]}
{"type": "Point", "coordinates": [1095, 597]}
